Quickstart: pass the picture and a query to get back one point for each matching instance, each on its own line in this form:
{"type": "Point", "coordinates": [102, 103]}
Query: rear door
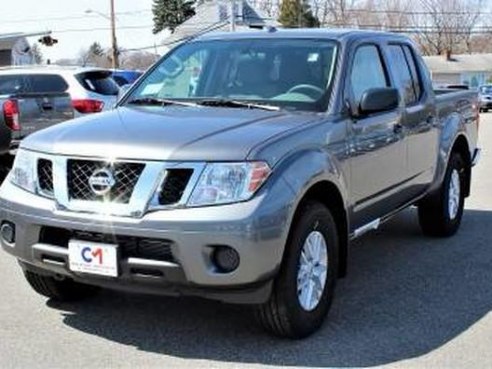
{"type": "Point", "coordinates": [377, 145]}
{"type": "Point", "coordinates": [420, 122]}
{"type": "Point", "coordinates": [42, 100]}
{"type": "Point", "coordinates": [99, 85]}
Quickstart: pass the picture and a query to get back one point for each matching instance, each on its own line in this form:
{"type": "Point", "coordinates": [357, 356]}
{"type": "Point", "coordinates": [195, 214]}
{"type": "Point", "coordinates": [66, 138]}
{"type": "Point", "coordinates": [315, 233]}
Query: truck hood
{"type": "Point", "coordinates": [169, 133]}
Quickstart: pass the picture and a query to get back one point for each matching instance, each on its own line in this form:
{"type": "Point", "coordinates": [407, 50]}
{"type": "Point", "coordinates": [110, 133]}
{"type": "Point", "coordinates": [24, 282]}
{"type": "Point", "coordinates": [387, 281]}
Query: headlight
{"type": "Point", "coordinates": [23, 171]}
{"type": "Point", "coordinates": [224, 183]}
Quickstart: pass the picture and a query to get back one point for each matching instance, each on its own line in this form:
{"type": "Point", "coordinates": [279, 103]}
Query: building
{"type": "Point", "coordinates": [15, 49]}
{"type": "Point", "coordinates": [214, 15]}
{"type": "Point", "coordinates": [470, 69]}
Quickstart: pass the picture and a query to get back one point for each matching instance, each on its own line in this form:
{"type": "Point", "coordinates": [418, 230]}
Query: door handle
{"type": "Point", "coordinates": [397, 128]}
{"type": "Point", "coordinates": [430, 119]}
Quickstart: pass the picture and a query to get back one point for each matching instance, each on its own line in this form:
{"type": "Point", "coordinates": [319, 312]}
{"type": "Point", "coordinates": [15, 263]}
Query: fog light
{"type": "Point", "coordinates": [8, 232]}
{"type": "Point", "coordinates": [225, 258]}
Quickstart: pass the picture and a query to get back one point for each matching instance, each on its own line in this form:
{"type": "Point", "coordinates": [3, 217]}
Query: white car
{"type": "Point", "coordinates": [91, 89]}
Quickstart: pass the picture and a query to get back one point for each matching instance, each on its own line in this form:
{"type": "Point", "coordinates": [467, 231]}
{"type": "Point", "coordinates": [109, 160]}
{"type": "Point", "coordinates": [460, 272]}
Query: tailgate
{"type": "Point", "coordinates": [41, 110]}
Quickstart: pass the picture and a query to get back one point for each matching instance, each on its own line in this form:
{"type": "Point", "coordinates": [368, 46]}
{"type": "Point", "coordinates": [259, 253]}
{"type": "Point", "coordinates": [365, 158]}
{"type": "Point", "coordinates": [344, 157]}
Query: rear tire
{"type": "Point", "coordinates": [440, 214]}
{"type": "Point", "coordinates": [300, 300]}
{"type": "Point", "coordinates": [60, 290]}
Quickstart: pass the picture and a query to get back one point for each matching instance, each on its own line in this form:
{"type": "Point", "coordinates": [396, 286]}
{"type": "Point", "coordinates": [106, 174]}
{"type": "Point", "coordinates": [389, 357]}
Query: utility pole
{"type": "Point", "coordinates": [114, 60]}
{"type": "Point", "coordinates": [233, 15]}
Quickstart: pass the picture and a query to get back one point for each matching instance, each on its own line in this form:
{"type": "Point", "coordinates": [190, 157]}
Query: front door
{"type": "Point", "coordinates": [376, 145]}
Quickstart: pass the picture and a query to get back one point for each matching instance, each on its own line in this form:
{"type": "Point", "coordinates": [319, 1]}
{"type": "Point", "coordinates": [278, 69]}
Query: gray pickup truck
{"type": "Point", "coordinates": [30, 102]}
{"type": "Point", "coordinates": [239, 168]}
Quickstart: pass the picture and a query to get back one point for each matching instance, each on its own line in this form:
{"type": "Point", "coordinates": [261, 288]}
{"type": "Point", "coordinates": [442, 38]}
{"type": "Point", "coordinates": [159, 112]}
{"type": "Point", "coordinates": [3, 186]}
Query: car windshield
{"type": "Point", "coordinates": [288, 73]}
{"type": "Point", "coordinates": [486, 90]}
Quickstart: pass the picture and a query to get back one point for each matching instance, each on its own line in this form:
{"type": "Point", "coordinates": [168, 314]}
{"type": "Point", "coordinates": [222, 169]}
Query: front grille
{"type": "Point", "coordinates": [129, 246]}
{"type": "Point", "coordinates": [126, 176]}
{"type": "Point", "coordinates": [45, 176]}
{"type": "Point", "coordinates": [174, 185]}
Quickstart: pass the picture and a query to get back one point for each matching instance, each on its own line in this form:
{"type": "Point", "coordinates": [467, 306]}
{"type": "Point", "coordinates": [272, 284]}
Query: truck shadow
{"type": "Point", "coordinates": [405, 295]}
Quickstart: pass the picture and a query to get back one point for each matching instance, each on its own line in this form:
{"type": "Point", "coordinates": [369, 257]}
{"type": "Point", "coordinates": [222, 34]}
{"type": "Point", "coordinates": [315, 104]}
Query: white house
{"type": "Point", "coordinates": [470, 69]}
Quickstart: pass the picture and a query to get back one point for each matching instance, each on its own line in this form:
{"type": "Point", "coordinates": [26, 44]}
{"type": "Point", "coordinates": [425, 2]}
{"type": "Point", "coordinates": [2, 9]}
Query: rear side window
{"type": "Point", "coordinates": [367, 71]}
{"type": "Point", "coordinates": [99, 82]}
{"type": "Point", "coordinates": [32, 83]}
{"type": "Point", "coordinates": [417, 80]}
{"type": "Point", "coordinates": [405, 70]}
{"type": "Point", "coordinates": [402, 74]}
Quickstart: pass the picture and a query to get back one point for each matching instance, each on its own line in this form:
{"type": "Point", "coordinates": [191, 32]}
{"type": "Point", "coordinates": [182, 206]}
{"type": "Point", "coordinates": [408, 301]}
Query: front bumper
{"type": "Point", "coordinates": [255, 229]}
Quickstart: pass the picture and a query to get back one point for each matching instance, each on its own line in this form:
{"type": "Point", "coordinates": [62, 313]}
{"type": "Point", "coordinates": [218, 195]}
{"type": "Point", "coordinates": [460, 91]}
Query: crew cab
{"type": "Point", "coordinates": [239, 168]}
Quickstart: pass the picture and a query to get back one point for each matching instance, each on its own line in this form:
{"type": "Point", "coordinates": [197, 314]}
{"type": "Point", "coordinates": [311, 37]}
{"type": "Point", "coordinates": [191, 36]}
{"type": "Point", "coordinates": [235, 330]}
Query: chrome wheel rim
{"type": "Point", "coordinates": [313, 269]}
{"type": "Point", "coordinates": [454, 195]}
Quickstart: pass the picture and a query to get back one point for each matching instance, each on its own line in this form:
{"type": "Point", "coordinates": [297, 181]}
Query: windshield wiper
{"type": "Point", "coordinates": [237, 104]}
{"type": "Point", "coordinates": [160, 102]}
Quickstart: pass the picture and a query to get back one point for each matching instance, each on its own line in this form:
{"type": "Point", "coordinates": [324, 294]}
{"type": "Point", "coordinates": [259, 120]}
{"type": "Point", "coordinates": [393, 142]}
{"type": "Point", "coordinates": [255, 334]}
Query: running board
{"type": "Point", "coordinates": [367, 227]}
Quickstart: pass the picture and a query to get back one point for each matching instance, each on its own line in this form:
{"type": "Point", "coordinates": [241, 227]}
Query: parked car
{"type": "Point", "coordinates": [455, 86]}
{"type": "Point", "coordinates": [485, 97]}
{"type": "Point", "coordinates": [239, 168]}
{"type": "Point", "coordinates": [92, 89]}
{"type": "Point", "coordinates": [30, 101]}
{"type": "Point", "coordinates": [125, 77]}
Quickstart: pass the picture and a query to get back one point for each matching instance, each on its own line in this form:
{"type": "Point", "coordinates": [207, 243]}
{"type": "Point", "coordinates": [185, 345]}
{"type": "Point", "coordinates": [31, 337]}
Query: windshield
{"type": "Point", "coordinates": [293, 73]}
{"type": "Point", "coordinates": [486, 90]}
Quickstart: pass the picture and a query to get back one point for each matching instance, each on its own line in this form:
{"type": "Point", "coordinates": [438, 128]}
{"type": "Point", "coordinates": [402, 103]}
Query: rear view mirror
{"type": "Point", "coordinates": [376, 100]}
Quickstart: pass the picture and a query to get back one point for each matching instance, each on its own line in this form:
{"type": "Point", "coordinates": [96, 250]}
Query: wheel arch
{"type": "Point", "coordinates": [461, 147]}
{"type": "Point", "coordinates": [328, 194]}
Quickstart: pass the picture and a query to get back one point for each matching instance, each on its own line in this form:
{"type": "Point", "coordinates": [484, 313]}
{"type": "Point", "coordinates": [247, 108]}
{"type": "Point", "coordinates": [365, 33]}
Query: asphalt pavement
{"type": "Point", "coordinates": [408, 301]}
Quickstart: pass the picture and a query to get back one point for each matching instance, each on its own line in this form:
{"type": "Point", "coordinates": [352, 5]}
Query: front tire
{"type": "Point", "coordinates": [440, 214]}
{"type": "Point", "coordinates": [59, 289]}
{"type": "Point", "coordinates": [303, 291]}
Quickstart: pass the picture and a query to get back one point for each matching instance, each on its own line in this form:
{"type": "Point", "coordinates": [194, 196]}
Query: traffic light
{"type": "Point", "coordinates": [48, 40]}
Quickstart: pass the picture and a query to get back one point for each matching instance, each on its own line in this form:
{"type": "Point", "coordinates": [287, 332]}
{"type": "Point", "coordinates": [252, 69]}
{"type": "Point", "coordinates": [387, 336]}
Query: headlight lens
{"type": "Point", "coordinates": [23, 171]}
{"type": "Point", "coordinates": [224, 183]}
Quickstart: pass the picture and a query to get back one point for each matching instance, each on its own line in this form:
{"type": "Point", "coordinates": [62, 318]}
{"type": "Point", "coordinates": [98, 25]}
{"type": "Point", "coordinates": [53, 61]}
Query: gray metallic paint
{"type": "Point", "coordinates": [356, 155]}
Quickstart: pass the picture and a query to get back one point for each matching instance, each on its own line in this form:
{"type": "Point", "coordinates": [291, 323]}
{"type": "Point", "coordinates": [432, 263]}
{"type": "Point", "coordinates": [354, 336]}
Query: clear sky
{"type": "Point", "coordinates": [75, 29]}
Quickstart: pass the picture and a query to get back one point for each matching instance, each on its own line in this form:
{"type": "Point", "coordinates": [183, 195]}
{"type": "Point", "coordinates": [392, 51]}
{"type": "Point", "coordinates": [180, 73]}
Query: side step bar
{"type": "Point", "coordinates": [367, 227]}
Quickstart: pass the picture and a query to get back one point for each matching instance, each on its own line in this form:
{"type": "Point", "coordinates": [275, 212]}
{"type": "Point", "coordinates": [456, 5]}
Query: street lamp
{"type": "Point", "coordinates": [114, 46]}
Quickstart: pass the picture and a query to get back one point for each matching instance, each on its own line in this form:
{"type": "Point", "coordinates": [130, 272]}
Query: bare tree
{"type": "Point", "coordinates": [335, 13]}
{"type": "Point", "coordinates": [446, 26]}
{"type": "Point", "coordinates": [140, 60]}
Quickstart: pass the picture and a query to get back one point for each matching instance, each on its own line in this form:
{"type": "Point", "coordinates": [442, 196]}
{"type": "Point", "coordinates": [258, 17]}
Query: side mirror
{"type": "Point", "coordinates": [376, 100]}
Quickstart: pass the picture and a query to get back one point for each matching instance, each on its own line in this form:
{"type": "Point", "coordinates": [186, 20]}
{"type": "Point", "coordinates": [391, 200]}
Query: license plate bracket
{"type": "Point", "coordinates": [93, 258]}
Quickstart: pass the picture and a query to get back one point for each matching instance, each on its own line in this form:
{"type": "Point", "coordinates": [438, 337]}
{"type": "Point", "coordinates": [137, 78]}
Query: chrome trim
{"type": "Point", "coordinates": [150, 263]}
{"type": "Point", "coordinates": [198, 169]}
{"type": "Point", "coordinates": [144, 196]}
{"type": "Point", "coordinates": [367, 227]}
{"type": "Point", "coordinates": [476, 156]}
{"type": "Point", "coordinates": [53, 250]}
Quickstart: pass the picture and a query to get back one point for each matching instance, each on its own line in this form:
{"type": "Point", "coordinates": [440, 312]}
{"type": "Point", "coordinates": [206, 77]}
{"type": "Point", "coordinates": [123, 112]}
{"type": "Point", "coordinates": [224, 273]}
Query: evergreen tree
{"type": "Point", "coordinates": [171, 13]}
{"type": "Point", "coordinates": [297, 13]}
{"type": "Point", "coordinates": [95, 49]}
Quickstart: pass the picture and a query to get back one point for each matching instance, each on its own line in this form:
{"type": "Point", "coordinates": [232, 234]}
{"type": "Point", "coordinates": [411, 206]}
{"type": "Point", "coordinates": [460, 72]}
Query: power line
{"type": "Point", "coordinates": [73, 30]}
{"type": "Point", "coordinates": [211, 28]}
{"type": "Point", "coordinates": [37, 20]}
{"type": "Point", "coordinates": [421, 12]}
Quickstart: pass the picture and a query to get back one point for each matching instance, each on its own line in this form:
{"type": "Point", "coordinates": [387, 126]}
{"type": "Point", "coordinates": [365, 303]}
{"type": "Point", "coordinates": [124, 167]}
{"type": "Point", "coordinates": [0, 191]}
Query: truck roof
{"type": "Point", "coordinates": [320, 33]}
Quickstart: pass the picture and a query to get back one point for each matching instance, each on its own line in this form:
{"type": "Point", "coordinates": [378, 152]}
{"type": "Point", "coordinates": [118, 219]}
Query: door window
{"type": "Point", "coordinates": [367, 71]}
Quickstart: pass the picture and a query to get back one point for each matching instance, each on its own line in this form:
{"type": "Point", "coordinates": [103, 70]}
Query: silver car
{"type": "Point", "coordinates": [92, 90]}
